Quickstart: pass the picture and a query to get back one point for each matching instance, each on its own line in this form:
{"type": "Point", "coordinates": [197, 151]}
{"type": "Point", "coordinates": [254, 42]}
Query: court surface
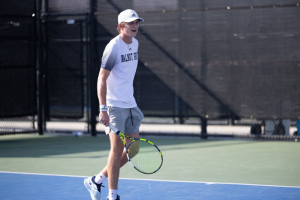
{"type": "Point", "coordinates": [16, 186]}
{"type": "Point", "coordinates": [54, 167]}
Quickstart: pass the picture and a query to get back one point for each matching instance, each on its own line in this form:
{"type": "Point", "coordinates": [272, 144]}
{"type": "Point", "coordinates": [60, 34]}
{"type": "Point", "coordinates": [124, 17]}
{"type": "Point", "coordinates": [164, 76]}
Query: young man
{"type": "Point", "coordinates": [117, 103]}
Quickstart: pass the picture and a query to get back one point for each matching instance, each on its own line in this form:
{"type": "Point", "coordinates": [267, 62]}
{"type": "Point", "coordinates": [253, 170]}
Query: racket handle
{"type": "Point", "coordinates": [114, 129]}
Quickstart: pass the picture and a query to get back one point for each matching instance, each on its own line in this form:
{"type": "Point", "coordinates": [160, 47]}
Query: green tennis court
{"type": "Point", "coordinates": [221, 161]}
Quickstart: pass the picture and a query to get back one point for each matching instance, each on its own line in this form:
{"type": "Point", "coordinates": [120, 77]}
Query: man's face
{"type": "Point", "coordinates": [131, 28]}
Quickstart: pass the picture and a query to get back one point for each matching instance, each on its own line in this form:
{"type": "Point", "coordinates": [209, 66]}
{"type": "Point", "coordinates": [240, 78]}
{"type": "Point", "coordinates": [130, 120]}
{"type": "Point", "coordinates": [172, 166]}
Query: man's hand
{"type": "Point", "coordinates": [104, 118]}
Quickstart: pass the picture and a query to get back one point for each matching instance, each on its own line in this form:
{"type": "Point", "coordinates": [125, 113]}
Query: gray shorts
{"type": "Point", "coordinates": [126, 120]}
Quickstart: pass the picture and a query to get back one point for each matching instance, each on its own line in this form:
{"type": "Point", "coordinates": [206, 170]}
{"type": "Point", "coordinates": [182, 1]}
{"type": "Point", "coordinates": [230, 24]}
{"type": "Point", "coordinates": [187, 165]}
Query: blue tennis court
{"type": "Point", "coordinates": [15, 186]}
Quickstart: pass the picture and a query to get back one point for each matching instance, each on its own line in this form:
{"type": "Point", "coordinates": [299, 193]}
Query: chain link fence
{"type": "Point", "coordinates": [206, 68]}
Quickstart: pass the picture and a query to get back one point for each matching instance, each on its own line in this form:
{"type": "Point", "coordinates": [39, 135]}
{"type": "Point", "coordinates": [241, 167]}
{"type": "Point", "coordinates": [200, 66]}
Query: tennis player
{"type": "Point", "coordinates": [117, 103]}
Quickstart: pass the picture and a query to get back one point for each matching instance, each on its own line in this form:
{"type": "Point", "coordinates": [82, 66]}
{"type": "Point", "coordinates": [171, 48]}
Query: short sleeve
{"type": "Point", "coordinates": [110, 56]}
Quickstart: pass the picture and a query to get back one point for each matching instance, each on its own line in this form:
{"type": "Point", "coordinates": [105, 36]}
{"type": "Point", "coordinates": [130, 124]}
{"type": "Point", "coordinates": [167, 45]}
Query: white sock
{"type": "Point", "coordinates": [100, 178]}
{"type": "Point", "coordinates": [113, 194]}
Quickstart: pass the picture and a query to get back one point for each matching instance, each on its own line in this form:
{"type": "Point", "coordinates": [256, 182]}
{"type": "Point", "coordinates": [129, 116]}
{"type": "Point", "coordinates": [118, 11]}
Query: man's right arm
{"type": "Point", "coordinates": [102, 90]}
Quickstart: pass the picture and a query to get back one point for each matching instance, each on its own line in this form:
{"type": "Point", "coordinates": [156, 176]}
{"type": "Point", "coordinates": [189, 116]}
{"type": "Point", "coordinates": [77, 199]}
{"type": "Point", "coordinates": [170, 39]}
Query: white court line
{"type": "Point", "coordinates": [207, 183]}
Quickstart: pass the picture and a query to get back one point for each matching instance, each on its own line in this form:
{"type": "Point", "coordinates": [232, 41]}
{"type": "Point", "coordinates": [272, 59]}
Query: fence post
{"type": "Point", "coordinates": [39, 69]}
{"type": "Point", "coordinates": [203, 128]}
{"type": "Point", "coordinates": [93, 90]}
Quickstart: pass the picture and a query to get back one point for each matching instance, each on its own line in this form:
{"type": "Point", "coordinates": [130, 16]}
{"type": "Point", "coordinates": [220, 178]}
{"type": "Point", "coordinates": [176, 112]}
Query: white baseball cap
{"type": "Point", "coordinates": [128, 16]}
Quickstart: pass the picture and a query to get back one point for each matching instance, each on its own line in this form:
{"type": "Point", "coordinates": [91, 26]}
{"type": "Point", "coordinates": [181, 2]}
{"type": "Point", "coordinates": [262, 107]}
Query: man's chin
{"type": "Point", "coordinates": [134, 33]}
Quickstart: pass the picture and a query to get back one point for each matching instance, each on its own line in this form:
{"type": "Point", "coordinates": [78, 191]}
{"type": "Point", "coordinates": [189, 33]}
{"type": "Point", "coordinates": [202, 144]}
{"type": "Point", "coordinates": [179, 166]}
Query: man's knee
{"type": "Point", "coordinates": [117, 149]}
{"type": "Point", "coordinates": [116, 146]}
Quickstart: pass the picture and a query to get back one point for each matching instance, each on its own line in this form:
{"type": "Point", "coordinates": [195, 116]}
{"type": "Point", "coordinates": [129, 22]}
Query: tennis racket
{"type": "Point", "coordinates": [142, 154]}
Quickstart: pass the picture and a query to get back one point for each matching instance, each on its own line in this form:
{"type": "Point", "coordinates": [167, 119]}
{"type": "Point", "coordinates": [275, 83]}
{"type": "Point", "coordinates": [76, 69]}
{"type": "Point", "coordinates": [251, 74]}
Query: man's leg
{"type": "Point", "coordinates": [124, 158]}
{"type": "Point", "coordinates": [136, 116]}
{"type": "Point", "coordinates": [117, 158]}
{"type": "Point", "coordinates": [114, 160]}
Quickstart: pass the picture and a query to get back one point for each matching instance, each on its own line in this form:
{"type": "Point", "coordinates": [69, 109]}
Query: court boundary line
{"type": "Point", "coordinates": [207, 183]}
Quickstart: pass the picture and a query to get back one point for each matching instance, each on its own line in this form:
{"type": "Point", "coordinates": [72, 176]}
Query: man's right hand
{"type": "Point", "coordinates": [104, 118]}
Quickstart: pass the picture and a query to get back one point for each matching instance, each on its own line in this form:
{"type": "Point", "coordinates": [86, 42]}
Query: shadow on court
{"type": "Point", "coordinates": [40, 146]}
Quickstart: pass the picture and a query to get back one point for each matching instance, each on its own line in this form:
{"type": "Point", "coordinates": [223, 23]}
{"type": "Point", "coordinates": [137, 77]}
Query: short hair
{"type": "Point", "coordinates": [122, 25]}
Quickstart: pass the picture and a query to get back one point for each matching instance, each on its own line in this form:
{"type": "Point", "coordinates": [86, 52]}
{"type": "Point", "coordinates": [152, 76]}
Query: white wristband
{"type": "Point", "coordinates": [103, 108]}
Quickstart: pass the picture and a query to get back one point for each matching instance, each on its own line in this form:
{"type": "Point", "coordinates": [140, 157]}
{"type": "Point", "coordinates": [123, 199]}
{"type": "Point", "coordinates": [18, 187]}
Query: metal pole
{"type": "Point", "coordinates": [203, 128]}
{"type": "Point", "coordinates": [39, 67]}
{"type": "Point", "coordinates": [92, 71]}
{"type": "Point", "coordinates": [203, 67]}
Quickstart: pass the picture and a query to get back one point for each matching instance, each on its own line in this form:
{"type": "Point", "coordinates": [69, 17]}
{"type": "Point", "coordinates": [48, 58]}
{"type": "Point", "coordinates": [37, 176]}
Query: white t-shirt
{"type": "Point", "coordinates": [121, 60]}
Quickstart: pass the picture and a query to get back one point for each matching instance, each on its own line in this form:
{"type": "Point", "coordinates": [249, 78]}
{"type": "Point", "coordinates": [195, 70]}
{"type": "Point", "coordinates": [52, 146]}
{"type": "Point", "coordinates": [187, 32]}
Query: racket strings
{"type": "Point", "coordinates": [144, 156]}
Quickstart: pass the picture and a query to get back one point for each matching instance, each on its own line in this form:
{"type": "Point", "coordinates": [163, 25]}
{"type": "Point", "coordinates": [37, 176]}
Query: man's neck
{"type": "Point", "coordinates": [126, 39]}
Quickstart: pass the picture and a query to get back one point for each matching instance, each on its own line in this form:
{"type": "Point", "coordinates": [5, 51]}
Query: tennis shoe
{"type": "Point", "coordinates": [118, 198]}
{"type": "Point", "coordinates": [93, 188]}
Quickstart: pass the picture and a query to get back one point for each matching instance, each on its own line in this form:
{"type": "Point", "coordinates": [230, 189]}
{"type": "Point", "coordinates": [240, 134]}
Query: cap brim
{"type": "Point", "coordinates": [133, 18]}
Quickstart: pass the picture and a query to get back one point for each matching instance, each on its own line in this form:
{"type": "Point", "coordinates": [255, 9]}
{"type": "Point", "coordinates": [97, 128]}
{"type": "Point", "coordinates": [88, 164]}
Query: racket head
{"type": "Point", "coordinates": [144, 156]}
